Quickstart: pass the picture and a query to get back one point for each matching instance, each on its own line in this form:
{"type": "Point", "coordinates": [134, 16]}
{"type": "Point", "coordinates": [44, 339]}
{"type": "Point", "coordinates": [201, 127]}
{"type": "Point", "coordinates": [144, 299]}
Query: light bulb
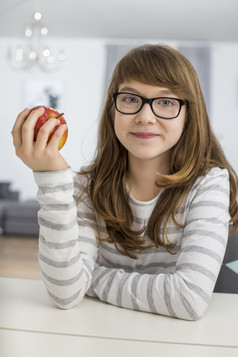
{"type": "Point", "coordinates": [44, 31]}
{"type": "Point", "coordinates": [28, 31]}
{"type": "Point", "coordinates": [46, 52]}
{"type": "Point", "coordinates": [33, 55]}
{"type": "Point", "coordinates": [37, 16]}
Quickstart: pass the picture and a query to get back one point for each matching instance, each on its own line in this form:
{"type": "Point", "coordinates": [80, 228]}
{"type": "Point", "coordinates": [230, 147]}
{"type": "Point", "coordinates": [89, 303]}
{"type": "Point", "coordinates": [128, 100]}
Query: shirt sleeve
{"type": "Point", "coordinates": [67, 245]}
{"type": "Point", "coordinates": [185, 293]}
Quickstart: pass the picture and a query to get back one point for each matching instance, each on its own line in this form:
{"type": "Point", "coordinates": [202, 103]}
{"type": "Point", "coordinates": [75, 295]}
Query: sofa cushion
{"type": "Point", "coordinates": [20, 218]}
{"type": "Point", "coordinates": [22, 210]}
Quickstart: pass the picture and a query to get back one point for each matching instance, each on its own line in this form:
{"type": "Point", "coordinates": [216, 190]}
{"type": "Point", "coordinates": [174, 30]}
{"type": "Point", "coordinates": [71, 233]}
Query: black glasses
{"type": "Point", "coordinates": [162, 107]}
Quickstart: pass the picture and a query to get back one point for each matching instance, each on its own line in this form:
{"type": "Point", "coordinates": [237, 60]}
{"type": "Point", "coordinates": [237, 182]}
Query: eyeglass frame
{"type": "Point", "coordinates": [150, 102]}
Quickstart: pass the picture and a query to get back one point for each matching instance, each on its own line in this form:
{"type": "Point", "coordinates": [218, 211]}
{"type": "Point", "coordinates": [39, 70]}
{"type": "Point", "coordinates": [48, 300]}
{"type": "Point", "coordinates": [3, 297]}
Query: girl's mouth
{"type": "Point", "coordinates": [144, 135]}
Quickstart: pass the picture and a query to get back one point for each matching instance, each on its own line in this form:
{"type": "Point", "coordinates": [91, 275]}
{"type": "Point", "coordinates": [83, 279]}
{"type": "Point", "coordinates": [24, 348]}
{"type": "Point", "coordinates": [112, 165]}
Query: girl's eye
{"type": "Point", "coordinates": [165, 102]}
{"type": "Point", "coordinates": [130, 99]}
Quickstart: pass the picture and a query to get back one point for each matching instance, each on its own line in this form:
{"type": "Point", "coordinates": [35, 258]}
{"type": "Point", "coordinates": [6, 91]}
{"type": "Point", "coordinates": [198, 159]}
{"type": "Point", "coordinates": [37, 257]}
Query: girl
{"type": "Point", "coordinates": [145, 226]}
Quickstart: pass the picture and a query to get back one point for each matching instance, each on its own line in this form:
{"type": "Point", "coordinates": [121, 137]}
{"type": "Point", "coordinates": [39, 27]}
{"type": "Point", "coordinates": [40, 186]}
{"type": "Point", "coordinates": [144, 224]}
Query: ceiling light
{"type": "Point", "coordinates": [33, 51]}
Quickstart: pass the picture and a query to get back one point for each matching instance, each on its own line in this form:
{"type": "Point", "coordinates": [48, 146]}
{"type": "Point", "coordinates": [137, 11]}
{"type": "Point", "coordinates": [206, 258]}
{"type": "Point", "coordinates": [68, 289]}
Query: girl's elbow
{"type": "Point", "coordinates": [66, 307]}
{"type": "Point", "coordinates": [195, 316]}
{"type": "Point", "coordinates": [197, 312]}
{"type": "Point", "coordinates": [66, 303]}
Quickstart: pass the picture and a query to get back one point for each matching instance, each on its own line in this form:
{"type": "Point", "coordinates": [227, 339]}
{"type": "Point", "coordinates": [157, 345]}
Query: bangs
{"type": "Point", "coordinates": [155, 65]}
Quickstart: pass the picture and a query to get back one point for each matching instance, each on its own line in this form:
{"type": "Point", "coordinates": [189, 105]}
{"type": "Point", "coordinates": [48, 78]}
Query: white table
{"type": "Point", "coordinates": [31, 326]}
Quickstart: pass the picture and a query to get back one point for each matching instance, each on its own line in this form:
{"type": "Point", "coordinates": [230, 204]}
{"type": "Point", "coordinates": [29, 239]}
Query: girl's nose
{"type": "Point", "coordinates": [145, 115]}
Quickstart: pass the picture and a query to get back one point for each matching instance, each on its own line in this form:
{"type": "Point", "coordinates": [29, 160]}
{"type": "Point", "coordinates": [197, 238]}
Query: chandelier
{"type": "Point", "coordinates": [34, 50]}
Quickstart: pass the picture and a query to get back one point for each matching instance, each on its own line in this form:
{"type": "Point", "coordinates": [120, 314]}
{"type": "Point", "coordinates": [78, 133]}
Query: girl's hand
{"type": "Point", "coordinates": [38, 155]}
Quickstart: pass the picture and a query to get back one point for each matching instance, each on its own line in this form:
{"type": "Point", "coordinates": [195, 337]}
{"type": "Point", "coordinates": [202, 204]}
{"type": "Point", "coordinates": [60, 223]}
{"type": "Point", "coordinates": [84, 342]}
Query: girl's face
{"type": "Point", "coordinates": [144, 135]}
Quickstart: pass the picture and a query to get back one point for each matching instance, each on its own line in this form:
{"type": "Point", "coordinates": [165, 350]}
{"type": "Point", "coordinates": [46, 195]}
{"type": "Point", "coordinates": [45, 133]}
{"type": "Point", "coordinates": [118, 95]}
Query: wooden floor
{"type": "Point", "coordinates": [19, 257]}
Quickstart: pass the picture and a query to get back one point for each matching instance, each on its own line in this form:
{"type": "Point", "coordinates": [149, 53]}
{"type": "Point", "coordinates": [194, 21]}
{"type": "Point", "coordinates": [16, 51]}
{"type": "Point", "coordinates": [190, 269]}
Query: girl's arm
{"type": "Point", "coordinates": [67, 244]}
{"type": "Point", "coordinates": [184, 294]}
{"type": "Point", "coordinates": [67, 249]}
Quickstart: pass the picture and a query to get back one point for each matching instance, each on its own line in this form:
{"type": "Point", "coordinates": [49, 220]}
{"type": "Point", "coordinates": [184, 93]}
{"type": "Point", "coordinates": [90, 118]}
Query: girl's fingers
{"type": "Point", "coordinates": [17, 127]}
{"type": "Point", "coordinates": [57, 136]}
{"type": "Point", "coordinates": [28, 127]}
{"type": "Point", "coordinates": [44, 133]}
{"type": "Point", "coordinates": [20, 119]}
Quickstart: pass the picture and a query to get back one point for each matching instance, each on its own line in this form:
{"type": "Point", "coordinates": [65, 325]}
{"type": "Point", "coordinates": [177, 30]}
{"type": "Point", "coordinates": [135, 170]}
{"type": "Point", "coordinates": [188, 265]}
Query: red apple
{"type": "Point", "coordinates": [50, 113]}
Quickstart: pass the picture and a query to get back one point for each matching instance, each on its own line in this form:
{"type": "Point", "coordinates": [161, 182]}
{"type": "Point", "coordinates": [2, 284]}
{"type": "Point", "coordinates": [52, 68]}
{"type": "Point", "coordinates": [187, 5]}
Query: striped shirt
{"type": "Point", "coordinates": [74, 263]}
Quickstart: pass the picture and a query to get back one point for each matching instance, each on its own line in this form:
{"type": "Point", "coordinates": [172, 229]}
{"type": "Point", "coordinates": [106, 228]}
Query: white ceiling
{"type": "Point", "coordinates": [201, 20]}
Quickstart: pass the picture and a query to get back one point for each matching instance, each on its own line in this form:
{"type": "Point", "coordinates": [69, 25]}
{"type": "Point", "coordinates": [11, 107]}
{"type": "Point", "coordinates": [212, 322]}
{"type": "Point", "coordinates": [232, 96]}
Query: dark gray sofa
{"type": "Point", "coordinates": [21, 218]}
{"type": "Point", "coordinates": [17, 217]}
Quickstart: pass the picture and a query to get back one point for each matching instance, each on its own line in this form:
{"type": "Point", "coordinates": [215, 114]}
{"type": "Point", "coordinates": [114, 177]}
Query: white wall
{"type": "Point", "coordinates": [82, 76]}
{"type": "Point", "coordinates": [224, 98]}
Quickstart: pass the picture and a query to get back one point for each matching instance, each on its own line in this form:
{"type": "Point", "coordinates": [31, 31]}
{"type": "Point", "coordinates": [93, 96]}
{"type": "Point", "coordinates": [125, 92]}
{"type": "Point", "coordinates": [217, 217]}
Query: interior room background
{"type": "Point", "coordinates": [82, 80]}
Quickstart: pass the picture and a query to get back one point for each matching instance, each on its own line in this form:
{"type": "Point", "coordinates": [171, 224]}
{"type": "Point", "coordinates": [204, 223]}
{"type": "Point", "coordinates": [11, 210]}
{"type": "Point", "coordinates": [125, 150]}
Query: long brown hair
{"type": "Point", "coordinates": [194, 154]}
